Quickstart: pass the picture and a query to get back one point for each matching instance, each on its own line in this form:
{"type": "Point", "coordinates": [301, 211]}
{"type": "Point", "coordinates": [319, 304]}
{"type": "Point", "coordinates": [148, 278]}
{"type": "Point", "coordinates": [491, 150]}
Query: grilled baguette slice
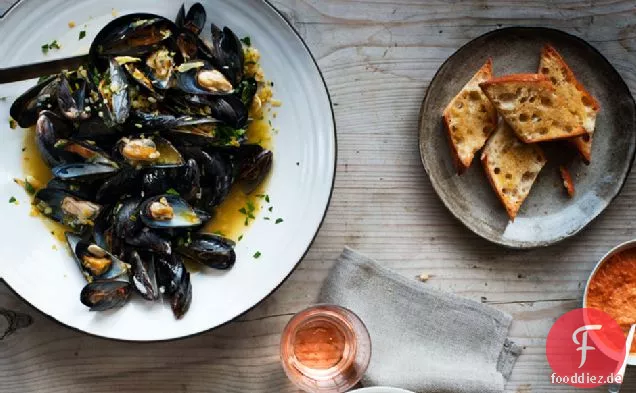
{"type": "Point", "coordinates": [470, 118]}
{"type": "Point", "coordinates": [511, 166]}
{"type": "Point", "coordinates": [530, 104]}
{"type": "Point", "coordinates": [579, 101]}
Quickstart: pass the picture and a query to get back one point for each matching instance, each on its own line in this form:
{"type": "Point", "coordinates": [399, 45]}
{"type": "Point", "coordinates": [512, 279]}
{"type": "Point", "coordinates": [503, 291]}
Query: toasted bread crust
{"type": "Point", "coordinates": [552, 62]}
{"type": "Point", "coordinates": [553, 122]}
{"type": "Point", "coordinates": [468, 128]}
{"type": "Point", "coordinates": [513, 169]}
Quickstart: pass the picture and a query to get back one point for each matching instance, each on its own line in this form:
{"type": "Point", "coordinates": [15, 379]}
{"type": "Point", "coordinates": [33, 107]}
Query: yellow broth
{"type": "Point", "coordinates": [227, 220]}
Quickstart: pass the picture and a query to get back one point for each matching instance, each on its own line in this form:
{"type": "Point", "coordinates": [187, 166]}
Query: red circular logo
{"type": "Point", "coordinates": [585, 348]}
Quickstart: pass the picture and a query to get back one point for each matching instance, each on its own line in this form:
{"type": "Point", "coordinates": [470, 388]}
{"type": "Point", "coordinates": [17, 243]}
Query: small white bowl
{"type": "Point", "coordinates": [620, 248]}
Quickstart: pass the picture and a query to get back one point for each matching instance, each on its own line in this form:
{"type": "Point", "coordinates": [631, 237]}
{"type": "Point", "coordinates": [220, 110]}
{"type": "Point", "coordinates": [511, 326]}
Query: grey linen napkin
{"type": "Point", "coordinates": [422, 339]}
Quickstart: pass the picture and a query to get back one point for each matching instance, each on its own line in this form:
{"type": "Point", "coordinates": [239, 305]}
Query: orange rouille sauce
{"type": "Point", "coordinates": [613, 289]}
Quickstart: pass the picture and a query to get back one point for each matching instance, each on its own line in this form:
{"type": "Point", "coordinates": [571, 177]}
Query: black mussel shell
{"type": "Point", "coordinates": [216, 176]}
{"type": "Point", "coordinates": [194, 20]}
{"type": "Point", "coordinates": [182, 298]}
{"type": "Point", "coordinates": [125, 182]}
{"type": "Point", "coordinates": [48, 130]}
{"type": "Point", "coordinates": [227, 53]}
{"type": "Point", "coordinates": [199, 77]}
{"type": "Point", "coordinates": [66, 208]}
{"type": "Point", "coordinates": [71, 96]}
{"type": "Point", "coordinates": [81, 190]}
{"type": "Point", "coordinates": [120, 100]}
{"type": "Point", "coordinates": [131, 35]}
{"type": "Point", "coordinates": [148, 151]}
{"type": "Point", "coordinates": [254, 164]}
{"type": "Point", "coordinates": [170, 272]}
{"type": "Point", "coordinates": [168, 211]}
{"type": "Point", "coordinates": [148, 240]}
{"type": "Point", "coordinates": [103, 231]}
{"type": "Point", "coordinates": [26, 108]}
{"type": "Point", "coordinates": [229, 110]}
{"type": "Point", "coordinates": [159, 122]}
{"type": "Point", "coordinates": [210, 250]}
{"type": "Point", "coordinates": [144, 278]}
{"type": "Point", "coordinates": [188, 181]}
{"type": "Point", "coordinates": [105, 295]}
{"type": "Point", "coordinates": [188, 45]}
{"type": "Point", "coordinates": [82, 151]}
{"type": "Point", "coordinates": [83, 171]}
{"type": "Point", "coordinates": [156, 182]}
{"type": "Point", "coordinates": [125, 219]}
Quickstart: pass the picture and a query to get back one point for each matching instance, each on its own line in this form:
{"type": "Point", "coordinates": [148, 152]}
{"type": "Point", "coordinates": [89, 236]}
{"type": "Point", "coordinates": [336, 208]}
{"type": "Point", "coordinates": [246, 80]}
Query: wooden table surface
{"type": "Point", "coordinates": [377, 57]}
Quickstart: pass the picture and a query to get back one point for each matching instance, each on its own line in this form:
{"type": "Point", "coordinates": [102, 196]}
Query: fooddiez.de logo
{"type": "Point", "coordinates": [585, 348]}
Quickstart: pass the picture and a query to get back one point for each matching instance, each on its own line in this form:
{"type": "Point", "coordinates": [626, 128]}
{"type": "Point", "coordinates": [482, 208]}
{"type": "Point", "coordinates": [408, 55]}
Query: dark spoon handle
{"type": "Point", "coordinates": [35, 70]}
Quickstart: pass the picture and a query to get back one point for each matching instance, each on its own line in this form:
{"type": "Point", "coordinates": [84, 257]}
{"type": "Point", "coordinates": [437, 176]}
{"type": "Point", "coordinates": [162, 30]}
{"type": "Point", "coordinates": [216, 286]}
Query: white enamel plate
{"type": "Point", "coordinates": [299, 188]}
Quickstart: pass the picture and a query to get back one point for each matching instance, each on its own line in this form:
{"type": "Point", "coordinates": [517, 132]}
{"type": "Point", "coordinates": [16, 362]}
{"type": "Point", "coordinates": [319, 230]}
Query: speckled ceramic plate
{"type": "Point", "coordinates": [300, 185]}
{"type": "Point", "coordinates": [548, 215]}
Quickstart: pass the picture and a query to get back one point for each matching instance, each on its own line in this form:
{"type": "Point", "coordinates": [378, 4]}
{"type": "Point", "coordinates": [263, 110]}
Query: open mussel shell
{"type": "Point", "coordinates": [201, 78]}
{"type": "Point", "coordinates": [149, 151]}
{"type": "Point", "coordinates": [83, 171]}
{"type": "Point", "coordinates": [193, 20]}
{"type": "Point", "coordinates": [71, 97]}
{"type": "Point", "coordinates": [117, 92]}
{"type": "Point", "coordinates": [99, 263]}
{"type": "Point", "coordinates": [49, 129]}
{"type": "Point", "coordinates": [131, 35]}
{"type": "Point", "coordinates": [210, 250]}
{"type": "Point", "coordinates": [83, 151]}
{"type": "Point", "coordinates": [229, 110]}
{"type": "Point", "coordinates": [227, 53]}
{"type": "Point", "coordinates": [66, 208]}
{"type": "Point", "coordinates": [26, 108]}
{"type": "Point", "coordinates": [125, 218]}
{"type": "Point", "coordinates": [103, 231]}
{"type": "Point", "coordinates": [102, 295]}
{"type": "Point", "coordinates": [149, 240]}
{"type": "Point", "coordinates": [144, 278]}
{"type": "Point", "coordinates": [168, 211]}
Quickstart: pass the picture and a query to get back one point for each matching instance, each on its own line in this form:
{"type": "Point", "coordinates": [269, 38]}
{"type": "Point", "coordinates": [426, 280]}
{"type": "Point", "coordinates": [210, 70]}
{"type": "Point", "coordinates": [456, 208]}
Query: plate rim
{"type": "Point", "coordinates": [523, 245]}
{"type": "Point", "coordinates": [313, 239]}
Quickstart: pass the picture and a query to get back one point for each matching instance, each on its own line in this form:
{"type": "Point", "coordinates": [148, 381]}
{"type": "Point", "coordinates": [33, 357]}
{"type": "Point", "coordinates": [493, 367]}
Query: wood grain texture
{"type": "Point", "coordinates": [377, 57]}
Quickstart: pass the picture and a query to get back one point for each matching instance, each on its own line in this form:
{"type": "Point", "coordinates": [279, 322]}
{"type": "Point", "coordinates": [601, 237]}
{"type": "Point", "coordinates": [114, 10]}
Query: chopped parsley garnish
{"type": "Point", "coordinates": [13, 124]}
{"type": "Point", "coordinates": [270, 208]}
{"type": "Point", "coordinates": [247, 41]}
{"type": "Point", "coordinates": [82, 34]}
{"type": "Point", "coordinates": [172, 191]}
{"type": "Point", "coordinates": [240, 238]}
{"type": "Point", "coordinates": [53, 45]}
{"type": "Point", "coordinates": [3, 99]}
{"type": "Point", "coordinates": [12, 200]}
{"type": "Point", "coordinates": [29, 187]}
{"type": "Point", "coordinates": [228, 135]}
{"type": "Point", "coordinates": [248, 212]}
{"type": "Point", "coordinates": [266, 218]}
{"type": "Point", "coordinates": [279, 220]}
{"type": "Point", "coordinates": [219, 233]}
{"type": "Point", "coordinates": [264, 196]}
{"type": "Point", "coordinates": [257, 254]}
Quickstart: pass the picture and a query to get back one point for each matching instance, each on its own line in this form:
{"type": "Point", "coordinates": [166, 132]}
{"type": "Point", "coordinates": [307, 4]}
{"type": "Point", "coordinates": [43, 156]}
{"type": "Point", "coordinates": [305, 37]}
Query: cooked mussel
{"type": "Point", "coordinates": [193, 20]}
{"type": "Point", "coordinates": [125, 218]}
{"type": "Point", "coordinates": [149, 151]}
{"type": "Point", "coordinates": [66, 208]}
{"type": "Point", "coordinates": [148, 240]}
{"type": "Point", "coordinates": [227, 53]}
{"type": "Point", "coordinates": [174, 279]}
{"type": "Point", "coordinates": [81, 190]}
{"type": "Point", "coordinates": [168, 211]}
{"type": "Point", "coordinates": [48, 130]}
{"type": "Point", "coordinates": [132, 35]}
{"type": "Point", "coordinates": [160, 122]}
{"type": "Point", "coordinates": [254, 164]}
{"type": "Point", "coordinates": [71, 96]}
{"type": "Point", "coordinates": [102, 295]}
{"type": "Point", "coordinates": [144, 278]}
{"type": "Point", "coordinates": [122, 183]}
{"type": "Point", "coordinates": [26, 108]}
{"type": "Point", "coordinates": [209, 249]}
{"type": "Point", "coordinates": [99, 263]}
{"type": "Point", "coordinates": [199, 77]}
{"type": "Point", "coordinates": [114, 89]}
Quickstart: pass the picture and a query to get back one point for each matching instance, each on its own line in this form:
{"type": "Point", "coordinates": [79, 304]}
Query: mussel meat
{"type": "Point", "coordinates": [149, 151]}
{"type": "Point", "coordinates": [199, 77]}
{"type": "Point", "coordinates": [66, 208]}
{"type": "Point", "coordinates": [168, 211]}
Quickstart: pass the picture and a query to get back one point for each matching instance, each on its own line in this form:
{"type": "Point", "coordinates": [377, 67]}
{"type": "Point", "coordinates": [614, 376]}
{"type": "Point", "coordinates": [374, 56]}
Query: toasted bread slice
{"type": "Point", "coordinates": [579, 101]}
{"type": "Point", "coordinates": [470, 118]}
{"type": "Point", "coordinates": [511, 166]}
{"type": "Point", "coordinates": [530, 105]}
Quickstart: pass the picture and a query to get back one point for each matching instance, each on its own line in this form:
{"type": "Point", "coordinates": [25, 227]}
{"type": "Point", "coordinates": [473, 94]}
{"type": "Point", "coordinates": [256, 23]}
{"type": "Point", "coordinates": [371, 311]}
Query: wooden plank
{"type": "Point", "coordinates": [377, 57]}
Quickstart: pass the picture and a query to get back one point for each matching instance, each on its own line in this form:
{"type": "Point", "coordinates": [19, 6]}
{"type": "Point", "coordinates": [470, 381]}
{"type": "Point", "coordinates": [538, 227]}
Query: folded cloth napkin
{"type": "Point", "coordinates": [422, 339]}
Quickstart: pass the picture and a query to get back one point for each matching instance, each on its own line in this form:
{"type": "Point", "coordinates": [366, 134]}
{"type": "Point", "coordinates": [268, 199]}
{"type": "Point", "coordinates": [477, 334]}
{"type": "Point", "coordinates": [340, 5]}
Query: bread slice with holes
{"type": "Point", "coordinates": [470, 118]}
{"type": "Point", "coordinates": [529, 103]}
{"type": "Point", "coordinates": [511, 166]}
{"type": "Point", "coordinates": [579, 101]}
